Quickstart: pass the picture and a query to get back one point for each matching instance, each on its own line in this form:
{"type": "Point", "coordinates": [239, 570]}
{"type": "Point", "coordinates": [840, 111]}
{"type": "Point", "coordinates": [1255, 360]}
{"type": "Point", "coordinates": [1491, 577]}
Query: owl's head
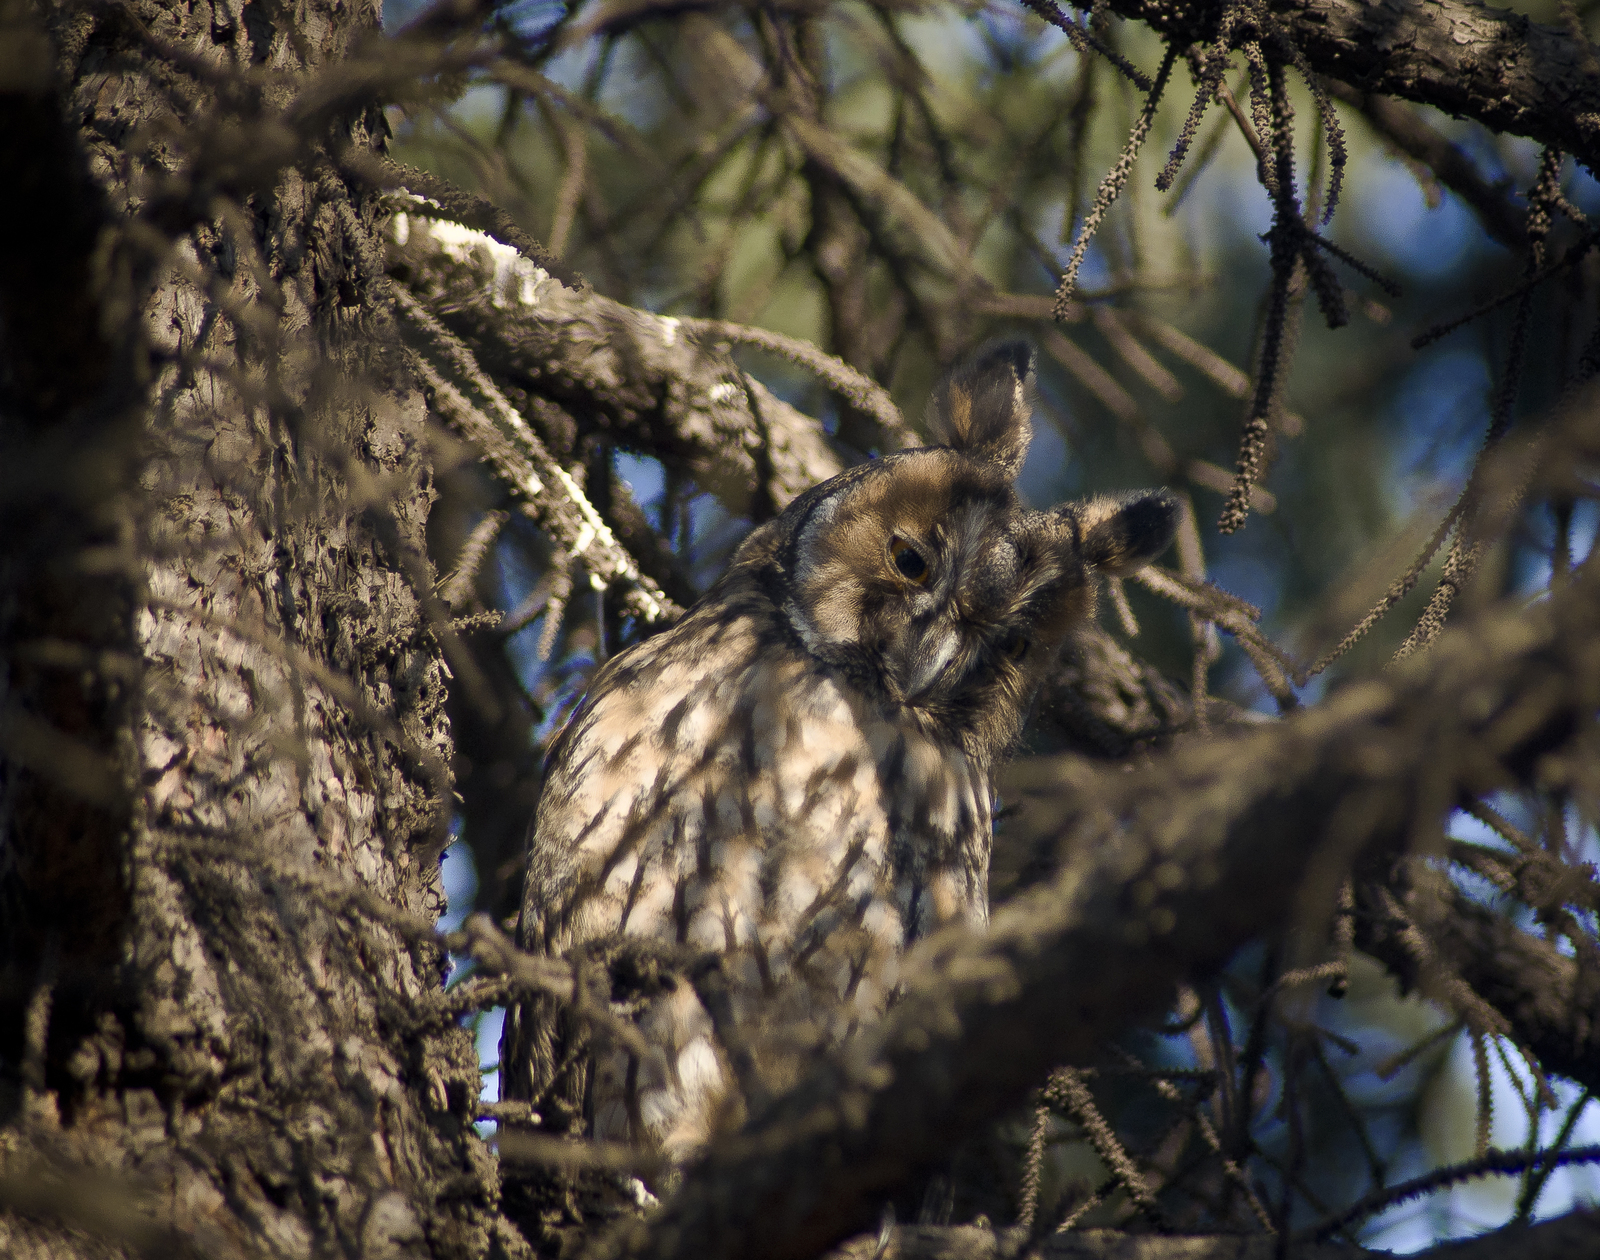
{"type": "Point", "coordinates": [924, 578]}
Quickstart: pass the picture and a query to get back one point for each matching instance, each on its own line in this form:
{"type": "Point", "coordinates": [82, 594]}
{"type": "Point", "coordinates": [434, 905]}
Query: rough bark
{"type": "Point", "coordinates": [210, 1040]}
{"type": "Point", "coordinates": [1500, 68]}
{"type": "Point", "coordinates": [66, 608]}
{"type": "Point", "coordinates": [50, 313]}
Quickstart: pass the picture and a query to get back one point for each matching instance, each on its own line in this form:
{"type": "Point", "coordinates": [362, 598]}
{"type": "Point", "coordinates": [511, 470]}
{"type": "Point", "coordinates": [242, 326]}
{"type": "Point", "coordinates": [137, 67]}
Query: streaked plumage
{"type": "Point", "coordinates": [797, 775]}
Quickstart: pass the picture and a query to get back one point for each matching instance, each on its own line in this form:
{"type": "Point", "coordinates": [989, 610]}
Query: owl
{"type": "Point", "coordinates": [793, 784]}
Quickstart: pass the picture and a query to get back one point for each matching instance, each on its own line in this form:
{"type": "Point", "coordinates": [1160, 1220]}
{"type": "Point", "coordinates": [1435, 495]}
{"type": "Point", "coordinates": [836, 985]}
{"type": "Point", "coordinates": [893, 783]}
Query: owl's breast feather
{"type": "Point", "coordinates": [718, 781]}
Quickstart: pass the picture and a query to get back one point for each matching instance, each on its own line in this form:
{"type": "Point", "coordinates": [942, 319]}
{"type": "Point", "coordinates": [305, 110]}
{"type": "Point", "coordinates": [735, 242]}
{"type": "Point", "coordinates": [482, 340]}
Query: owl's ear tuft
{"type": "Point", "coordinates": [984, 407]}
{"type": "Point", "coordinates": [1124, 532]}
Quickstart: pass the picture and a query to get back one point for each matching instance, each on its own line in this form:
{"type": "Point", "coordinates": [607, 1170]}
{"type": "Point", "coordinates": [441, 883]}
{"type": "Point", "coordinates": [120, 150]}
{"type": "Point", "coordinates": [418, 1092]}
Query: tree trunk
{"type": "Point", "coordinates": [226, 749]}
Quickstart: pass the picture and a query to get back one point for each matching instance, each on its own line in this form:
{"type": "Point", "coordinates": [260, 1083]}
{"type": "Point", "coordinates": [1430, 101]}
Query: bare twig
{"type": "Point", "coordinates": [1489, 1164]}
{"type": "Point", "coordinates": [1111, 186]}
{"type": "Point", "coordinates": [1067, 1089]}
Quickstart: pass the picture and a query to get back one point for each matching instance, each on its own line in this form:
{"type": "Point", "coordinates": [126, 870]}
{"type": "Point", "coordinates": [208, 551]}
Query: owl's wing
{"type": "Point", "coordinates": [638, 826]}
{"type": "Point", "coordinates": [723, 794]}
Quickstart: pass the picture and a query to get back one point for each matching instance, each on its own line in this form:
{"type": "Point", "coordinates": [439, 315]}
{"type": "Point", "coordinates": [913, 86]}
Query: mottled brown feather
{"type": "Point", "coordinates": [795, 780]}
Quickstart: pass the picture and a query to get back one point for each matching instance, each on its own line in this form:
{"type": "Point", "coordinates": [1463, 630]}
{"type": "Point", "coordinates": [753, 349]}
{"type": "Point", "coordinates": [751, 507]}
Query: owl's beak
{"type": "Point", "coordinates": [930, 659]}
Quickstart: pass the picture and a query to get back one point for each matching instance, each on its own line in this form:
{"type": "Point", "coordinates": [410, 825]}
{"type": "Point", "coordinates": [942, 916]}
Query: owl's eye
{"type": "Point", "coordinates": [1014, 646]}
{"type": "Point", "coordinates": [909, 561]}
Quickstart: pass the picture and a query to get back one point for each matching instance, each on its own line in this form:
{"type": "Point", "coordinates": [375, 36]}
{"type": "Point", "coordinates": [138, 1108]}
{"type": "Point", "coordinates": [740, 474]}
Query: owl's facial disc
{"type": "Point", "coordinates": [924, 570]}
{"type": "Point", "coordinates": [867, 542]}
{"type": "Point", "coordinates": [1001, 575]}
{"type": "Point", "coordinates": [924, 579]}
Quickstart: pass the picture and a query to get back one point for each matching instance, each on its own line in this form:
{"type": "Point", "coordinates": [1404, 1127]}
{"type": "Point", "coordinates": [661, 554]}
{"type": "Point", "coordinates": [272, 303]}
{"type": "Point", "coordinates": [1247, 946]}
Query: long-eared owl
{"type": "Point", "coordinates": [795, 779]}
